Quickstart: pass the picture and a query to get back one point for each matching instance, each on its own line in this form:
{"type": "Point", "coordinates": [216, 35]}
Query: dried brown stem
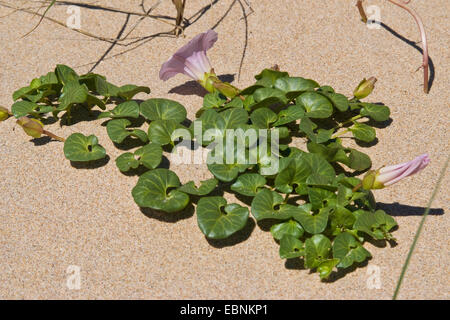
{"type": "Point", "coordinates": [403, 4]}
{"type": "Point", "coordinates": [179, 5]}
{"type": "Point", "coordinates": [53, 136]}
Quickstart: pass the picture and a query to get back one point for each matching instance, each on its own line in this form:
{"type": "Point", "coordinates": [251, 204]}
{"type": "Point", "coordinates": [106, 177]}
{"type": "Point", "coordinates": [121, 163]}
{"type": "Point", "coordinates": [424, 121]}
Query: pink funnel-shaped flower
{"type": "Point", "coordinates": [392, 174]}
{"type": "Point", "coordinates": [191, 59]}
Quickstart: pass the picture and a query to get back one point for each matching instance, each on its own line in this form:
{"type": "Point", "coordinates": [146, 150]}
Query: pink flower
{"type": "Point", "coordinates": [392, 174]}
{"type": "Point", "coordinates": [191, 59]}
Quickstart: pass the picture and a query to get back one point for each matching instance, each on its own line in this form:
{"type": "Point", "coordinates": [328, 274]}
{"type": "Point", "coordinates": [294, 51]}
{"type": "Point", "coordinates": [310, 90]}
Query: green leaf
{"type": "Point", "coordinates": [22, 92]}
{"type": "Point", "coordinates": [213, 100]}
{"type": "Point", "coordinates": [268, 97]}
{"type": "Point", "coordinates": [105, 88]}
{"type": "Point", "coordinates": [376, 224]}
{"type": "Point", "coordinates": [291, 247]}
{"type": "Point", "coordinates": [263, 117]}
{"type": "Point", "coordinates": [153, 191]}
{"type": "Point", "coordinates": [117, 131]}
{"type": "Point", "coordinates": [363, 132]}
{"type": "Point", "coordinates": [338, 100]}
{"type": "Point", "coordinates": [23, 108]}
{"type": "Point", "coordinates": [375, 111]}
{"type": "Point", "coordinates": [217, 220]}
{"type": "Point", "coordinates": [268, 77]}
{"type": "Point", "coordinates": [130, 90]}
{"type": "Point", "coordinates": [300, 168]}
{"type": "Point", "coordinates": [326, 267]}
{"type": "Point", "coordinates": [291, 228]}
{"type": "Point", "coordinates": [294, 86]}
{"type": "Point", "coordinates": [317, 250]}
{"type": "Point", "coordinates": [162, 132]}
{"type": "Point", "coordinates": [348, 250]}
{"type": "Point", "coordinates": [205, 187]}
{"type": "Point", "coordinates": [226, 172]}
{"type": "Point", "coordinates": [127, 109]}
{"type": "Point", "coordinates": [248, 184]}
{"type": "Point", "coordinates": [312, 224]}
{"type": "Point", "coordinates": [66, 74]}
{"type": "Point", "coordinates": [319, 196]}
{"type": "Point", "coordinates": [49, 79]}
{"type": "Point", "coordinates": [292, 113]}
{"type": "Point", "coordinates": [359, 161]}
{"type": "Point", "coordinates": [149, 156]}
{"type": "Point", "coordinates": [315, 105]}
{"type": "Point", "coordinates": [78, 147]}
{"type": "Point", "coordinates": [163, 109]}
{"type": "Point", "coordinates": [72, 93]}
{"type": "Point", "coordinates": [269, 205]}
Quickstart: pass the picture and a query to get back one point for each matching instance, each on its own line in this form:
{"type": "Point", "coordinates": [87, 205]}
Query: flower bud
{"type": "Point", "coordinates": [32, 127]}
{"type": "Point", "coordinates": [225, 88]}
{"type": "Point", "coordinates": [4, 113]}
{"type": "Point", "coordinates": [364, 88]}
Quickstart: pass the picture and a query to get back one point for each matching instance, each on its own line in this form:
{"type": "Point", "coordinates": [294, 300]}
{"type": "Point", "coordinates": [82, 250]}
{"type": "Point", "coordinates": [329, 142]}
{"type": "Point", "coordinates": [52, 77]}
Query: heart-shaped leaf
{"type": "Point", "coordinates": [153, 190]}
{"type": "Point", "coordinates": [149, 156]}
{"type": "Point", "coordinates": [127, 109]}
{"type": "Point", "coordinates": [363, 132]}
{"type": "Point", "coordinates": [348, 250]}
{"type": "Point", "coordinates": [105, 88]}
{"type": "Point", "coordinates": [291, 228]}
{"type": "Point", "coordinates": [291, 247]}
{"type": "Point", "coordinates": [248, 184]}
{"type": "Point", "coordinates": [338, 100]}
{"type": "Point", "coordinates": [312, 223]}
{"type": "Point", "coordinates": [213, 100]}
{"type": "Point", "coordinates": [78, 147]}
{"type": "Point", "coordinates": [294, 86]}
{"type": "Point", "coordinates": [205, 187]}
{"type": "Point", "coordinates": [268, 77]}
{"type": "Point", "coordinates": [23, 108]}
{"type": "Point", "coordinates": [269, 205]}
{"type": "Point", "coordinates": [128, 91]}
{"type": "Point", "coordinates": [268, 97]}
{"type": "Point", "coordinates": [162, 132]}
{"type": "Point", "coordinates": [163, 109]}
{"type": "Point", "coordinates": [292, 113]}
{"type": "Point", "coordinates": [375, 111]}
{"type": "Point", "coordinates": [263, 117]}
{"type": "Point", "coordinates": [376, 224]}
{"type": "Point", "coordinates": [359, 161]}
{"type": "Point", "coordinates": [315, 105]}
{"type": "Point", "coordinates": [300, 168]}
{"type": "Point", "coordinates": [317, 250]}
{"type": "Point", "coordinates": [65, 74]}
{"type": "Point", "coordinates": [326, 267]}
{"type": "Point", "coordinates": [219, 220]}
{"type": "Point", "coordinates": [72, 93]}
{"type": "Point", "coordinates": [117, 131]}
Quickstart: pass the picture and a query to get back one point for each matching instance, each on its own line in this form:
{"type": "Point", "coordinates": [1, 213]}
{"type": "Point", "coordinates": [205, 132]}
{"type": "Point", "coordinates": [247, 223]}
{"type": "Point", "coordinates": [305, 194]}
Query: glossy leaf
{"type": "Point", "coordinates": [317, 250]}
{"type": "Point", "coordinates": [153, 190]}
{"type": "Point", "coordinates": [205, 187]}
{"type": "Point", "coordinates": [163, 109]}
{"type": "Point", "coordinates": [294, 86]}
{"type": "Point", "coordinates": [348, 250]}
{"type": "Point", "coordinates": [315, 105]}
{"type": "Point", "coordinates": [269, 205]}
{"type": "Point", "coordinates": [363, 132]}
{"type": "Point", "coordinates": [219, 220]}
{"type": "Point", "coordinates": [130, 90]}
{"type": "Point", "coordinates": [117, 131]}
{"type": "Point", "coordinates": [78, 147]}
{"type": "Point", "coordinates": [291, 228]}
{"type": "Point", "coordinates": [375, 111]}
{"type": "Point", "coordinates": [313, 223]}
{"type": "Point", "coordinates": [162, 132]}
{"type": "Point", "coordinates": [291, 247]}
{"type": "Point", "coordinates": [248, 184]}
{"type": "Point", "coordinates": [263, 118]}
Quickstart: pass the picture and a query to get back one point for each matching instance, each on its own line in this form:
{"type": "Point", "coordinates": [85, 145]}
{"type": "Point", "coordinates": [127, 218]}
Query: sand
{"type": "Point", "coordinates": [53, 215]}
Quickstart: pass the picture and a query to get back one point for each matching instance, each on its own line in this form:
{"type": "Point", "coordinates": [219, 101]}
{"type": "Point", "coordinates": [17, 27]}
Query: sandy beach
{"type": "Point", "coordinates": [54, 215]}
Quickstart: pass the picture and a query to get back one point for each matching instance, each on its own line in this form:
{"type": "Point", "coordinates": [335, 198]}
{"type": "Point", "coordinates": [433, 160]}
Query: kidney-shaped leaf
{"type": "Point", "coordinates": [375, 111]}
{"type": "Point", "coordinates": [163, 109]}
{"type": "Point", "coordinates": [348, 250]}
{"type": "Point", "coordinates": [117, 131]}
{"type": "Point", "coordinates": [128, 91]}
{"type": "Point", "coordinates": [153, 191]}
{"type": "Point", "coordinates": [317, 250]}
{"type": "Point", "coordinates": [291, 228]}
{"type": "Point", "coordinates": [127, 109]}
{"type": "Point", "coordinates": [315, 105]}
{"type": "Point", "coordinates": [219, 220]}
{"type": "Point", "coordinates": [269, 205]}
{"type": "Point", "coordinates": [291, 247]}
{"type": "Point", "coordinates": [248, 184]}
{"type": "Point", "coordinates": [293, 86]}
{"type": "Point", "coordinates": [78, 147]}
{"type": "Point", "coordinates": [149, 156]}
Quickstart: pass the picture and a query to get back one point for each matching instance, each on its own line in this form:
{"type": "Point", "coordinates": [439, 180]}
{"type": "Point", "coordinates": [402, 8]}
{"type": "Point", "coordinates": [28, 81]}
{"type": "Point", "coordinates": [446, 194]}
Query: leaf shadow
{"type": "Point", "coordinates": [90, 164]}
{"type": "Point", "coordinates": [341, 273]}
{"type": "Point", "coordinates": [295, 264]}
{"type": "Point", "coordinates": [235, 238]}
{"type": "Point", "coordinates": [173, 217]}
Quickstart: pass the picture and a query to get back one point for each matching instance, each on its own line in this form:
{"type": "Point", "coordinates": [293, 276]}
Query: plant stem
{"type": "Point", "coordinates": [361, 11]}
{"type": "Point", "coordinates": [402, 4]}
{"type": "Point", "coordinates": [349, 120]}
{"type": "Point", "coordinates": [419, 230]}
{"type": "Point", "coordinates": [334, 136]}
{"type": "Point", "coordinates": [53, 136]}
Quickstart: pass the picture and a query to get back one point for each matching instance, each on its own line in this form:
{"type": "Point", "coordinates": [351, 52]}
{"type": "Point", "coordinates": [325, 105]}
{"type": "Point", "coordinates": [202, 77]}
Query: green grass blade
{"type": "Point", "coordinates": [419, 229]}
